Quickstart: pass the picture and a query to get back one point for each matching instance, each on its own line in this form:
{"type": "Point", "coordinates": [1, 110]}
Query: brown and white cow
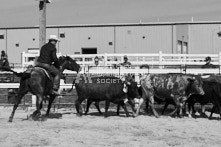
{"type": "Point", "coordinates": [169, 86]}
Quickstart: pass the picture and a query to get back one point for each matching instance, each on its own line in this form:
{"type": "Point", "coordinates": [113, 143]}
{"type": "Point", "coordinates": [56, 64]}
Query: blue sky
{"type": "Point", "coordinates": [25, 13]}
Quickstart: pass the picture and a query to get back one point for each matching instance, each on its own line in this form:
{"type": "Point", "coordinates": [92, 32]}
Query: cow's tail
{"type": "Point", "coordinates": [20, 74]}
{"type": "Point", "coordinates": [73, 83]}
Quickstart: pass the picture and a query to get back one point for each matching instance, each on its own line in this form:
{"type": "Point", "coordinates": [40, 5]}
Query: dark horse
{"type": "Point", "coordinates": [38, 83]}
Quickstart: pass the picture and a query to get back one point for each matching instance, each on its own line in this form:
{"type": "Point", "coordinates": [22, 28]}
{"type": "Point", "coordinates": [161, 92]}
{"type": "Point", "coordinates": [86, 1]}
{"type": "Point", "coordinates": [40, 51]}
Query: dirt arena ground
{"type": "Point", "coordinates": [95, 130]}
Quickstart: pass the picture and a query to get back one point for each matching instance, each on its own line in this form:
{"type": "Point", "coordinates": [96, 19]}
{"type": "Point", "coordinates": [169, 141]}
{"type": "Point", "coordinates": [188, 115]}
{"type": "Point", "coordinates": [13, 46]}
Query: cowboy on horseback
{"type": "Point", "coordinates": [49, 60]}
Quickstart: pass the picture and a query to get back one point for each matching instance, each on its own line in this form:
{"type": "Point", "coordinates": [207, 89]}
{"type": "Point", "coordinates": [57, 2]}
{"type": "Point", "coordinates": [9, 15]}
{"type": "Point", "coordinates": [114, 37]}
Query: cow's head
{"type": "Point", "coordinates": [195, 85]}
{"type": "Point", "coordinates": [130, 87]}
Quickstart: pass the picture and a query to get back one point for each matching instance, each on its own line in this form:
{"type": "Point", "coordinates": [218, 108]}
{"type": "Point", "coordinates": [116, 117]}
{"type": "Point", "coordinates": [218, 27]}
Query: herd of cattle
{"type": "Point", "coordinates": [172, 88]}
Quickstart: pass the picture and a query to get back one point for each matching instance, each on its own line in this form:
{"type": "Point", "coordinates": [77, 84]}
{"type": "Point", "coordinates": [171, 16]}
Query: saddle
{"type": "Point", "coordinates": [31, 68]}
{"type": "Point", "coordinates": [47, 73]}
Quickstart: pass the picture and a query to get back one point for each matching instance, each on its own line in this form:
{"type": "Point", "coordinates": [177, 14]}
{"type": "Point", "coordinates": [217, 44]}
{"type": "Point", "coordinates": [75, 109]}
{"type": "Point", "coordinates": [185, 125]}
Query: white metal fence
{"type": "Point", "coordinates": [157, 62]}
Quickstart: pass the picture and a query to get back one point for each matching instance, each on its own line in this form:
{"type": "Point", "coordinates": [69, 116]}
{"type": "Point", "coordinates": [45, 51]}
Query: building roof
{"type": "Point", "coordinates": [121, 24]}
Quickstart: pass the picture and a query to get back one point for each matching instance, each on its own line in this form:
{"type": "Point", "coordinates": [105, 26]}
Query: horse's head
{"type": "Point", "coordinates": [68, 63]}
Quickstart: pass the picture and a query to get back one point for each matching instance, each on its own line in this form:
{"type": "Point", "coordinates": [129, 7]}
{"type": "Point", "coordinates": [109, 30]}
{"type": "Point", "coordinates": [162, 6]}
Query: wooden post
{"type": "Point", "coordinates": [42, 23]}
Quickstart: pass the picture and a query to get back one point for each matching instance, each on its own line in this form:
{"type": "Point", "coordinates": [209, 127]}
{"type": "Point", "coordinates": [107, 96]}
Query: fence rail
{"type": "Point", "coordinates": [157, 62]}
{"type": "Point", "coordinates": [28, 58]}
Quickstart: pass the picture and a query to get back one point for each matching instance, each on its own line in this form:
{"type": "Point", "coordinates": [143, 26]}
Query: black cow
{"type": "Point", "coordinates": [105, 88]}
{"type": "Point", "coordinates": [132, 101]}
{"type": "Point", "coordinates": [172, 86]}
{"type": "Point", "coordinates": [212, 95]}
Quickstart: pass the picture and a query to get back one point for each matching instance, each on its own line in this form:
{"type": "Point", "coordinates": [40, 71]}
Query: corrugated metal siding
{"type": "Point", "coordinates": [26, 38]}
{"type": "Point", "coordinates": [78, 38]}
{"type": "Point", "coordinates": [144, 39]}
{"type": "Point", "coordinates": [204, 38]}
{"type": "Point", "coordinates": [182, 32]}
{"type": "Point", "coordinates": [3, 41]}
{"type": "Point", "coordinates": [201, 38]}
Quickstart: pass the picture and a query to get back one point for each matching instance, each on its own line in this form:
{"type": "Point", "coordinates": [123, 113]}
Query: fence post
{"type": "Point", "coordinates": [219, 61]}
{"type": "Point", "coordinates": [160, 59]}
{"type": "Point", "coordinates": [105, 59]}
{"type": "Point", "coordinates": [23, 60]}
{"type": "Point", "coordinates": [33, 100]}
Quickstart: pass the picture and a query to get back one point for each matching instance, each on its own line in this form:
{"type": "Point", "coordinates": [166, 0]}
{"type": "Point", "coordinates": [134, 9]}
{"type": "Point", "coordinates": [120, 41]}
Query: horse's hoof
{"type": "Point", "coordinates": [79, 114]}
{"type": "Point", "coordinates": [157, 116]}
{"type": "Point", "coordinates": [36, 117]}
{"type": "Point", "coordinates": [43, 118]}
{"type": "Point", "coordinates": [10, 120]}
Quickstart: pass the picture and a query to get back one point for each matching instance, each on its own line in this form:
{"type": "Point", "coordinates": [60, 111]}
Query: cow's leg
{"type": "Point", "coordinates": [189, 109]}
{"type": "Point", "coordinates": [147, 103]}
{"type": "Point", "coordinates": [174, 111]}
{"type": "Point", "coordinates": [107, 104]}
{"type": "Point", "coordinates": [17, 102]}
{"type": "Point", "coordinates": [165, 107]}
{"type": "Point", "coordinates": [124, 107]}
{"type": "Point", "coordinates": [181, 110]}
{"type": "Point", "coordinates": [132, 104]}
{"type": "Point", "coordinates": [177, 103]}
{"type": "Point", "coordinates": [52, 97]}
{"type": "Point", "coordinates": [88, 105]}
{"type": "Point", "coordinates": [212, 111]}
{"type": "Point", "coordinates": [98, 108]}
{"type": "Point", "coordinates": [151, 103]}
{"type": "Point", "coordinates": [203, 109]}
{"type": "Point", "coordinates": [118, 109]}
{"type": "Point", "coordinates": [217, 105]}
{"type": "Point", "coordinates": [138, 108]}
{"type": "Point", "coordinates": [78, 107]}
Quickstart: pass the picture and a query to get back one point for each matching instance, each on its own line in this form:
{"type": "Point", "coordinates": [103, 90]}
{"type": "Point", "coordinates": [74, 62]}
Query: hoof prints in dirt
{"type": "Point", "coordinates": [44, 117]}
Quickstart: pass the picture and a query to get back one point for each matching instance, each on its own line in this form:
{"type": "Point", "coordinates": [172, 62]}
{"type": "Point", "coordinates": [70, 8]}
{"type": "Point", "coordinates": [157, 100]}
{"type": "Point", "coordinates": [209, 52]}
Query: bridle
{"type": "Point", "coordinates": [63, 63]}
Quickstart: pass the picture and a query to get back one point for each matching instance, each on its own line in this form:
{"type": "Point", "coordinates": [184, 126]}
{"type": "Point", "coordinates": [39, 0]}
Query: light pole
{"type": "Point", "coordinates": [42, 22]}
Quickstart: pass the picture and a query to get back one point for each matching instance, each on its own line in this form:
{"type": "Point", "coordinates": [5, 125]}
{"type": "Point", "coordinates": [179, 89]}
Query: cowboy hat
{"type": "Point", "coordinates": [125, 57]}
{"type": "Point", "coordinates": [53, 37]}
{"type": "Point", "coordinates": [208, 58]}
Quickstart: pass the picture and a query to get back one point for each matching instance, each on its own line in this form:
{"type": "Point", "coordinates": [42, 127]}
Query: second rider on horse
{"type": "Point", "coordinates": [49, 60]}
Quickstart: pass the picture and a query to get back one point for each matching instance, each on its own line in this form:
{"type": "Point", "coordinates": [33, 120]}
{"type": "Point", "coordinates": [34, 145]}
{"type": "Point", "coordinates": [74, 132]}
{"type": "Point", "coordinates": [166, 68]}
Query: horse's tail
{"type": "Point", "coordinates": [20, 74]}
{"type": "Point", "coordinates": [73, 83]}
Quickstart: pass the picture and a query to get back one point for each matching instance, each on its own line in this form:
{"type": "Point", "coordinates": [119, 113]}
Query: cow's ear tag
{"type": "Point", "coordinates": [125, 89]}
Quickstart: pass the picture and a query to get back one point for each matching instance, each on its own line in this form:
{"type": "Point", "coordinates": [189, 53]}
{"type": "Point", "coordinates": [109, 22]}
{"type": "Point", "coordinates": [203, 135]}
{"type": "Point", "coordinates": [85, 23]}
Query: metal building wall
{"type": "Point", "coordinates": [19, 40]}
{"type": "Point", "coordinates": [182, 39]}
{"type": "Point", "coordinates": [203, 38]}
{"type": "Point", "coordinates": [144, 39]}
{"type": "Point", "coordinates": [3, 41]}
{"type": "Point", "coordinates": [77, 38]}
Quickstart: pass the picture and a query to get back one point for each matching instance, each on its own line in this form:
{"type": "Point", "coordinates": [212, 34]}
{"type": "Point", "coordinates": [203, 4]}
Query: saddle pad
{"type": "Point", "coordinates": [45, 71]}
